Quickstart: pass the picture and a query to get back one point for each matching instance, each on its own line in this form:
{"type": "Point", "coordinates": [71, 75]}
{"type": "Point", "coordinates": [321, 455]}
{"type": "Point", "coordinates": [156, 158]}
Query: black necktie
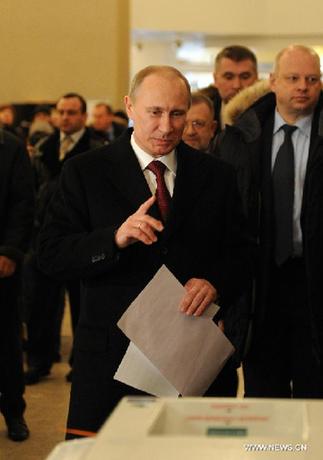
{"type": "Point", "coordinates": [162, 193]}
{"type": "Point", "coordinates": [283, 188]}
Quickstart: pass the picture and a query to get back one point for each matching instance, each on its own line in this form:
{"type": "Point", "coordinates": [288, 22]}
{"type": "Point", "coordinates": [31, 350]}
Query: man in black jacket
{"type": "Point", "coordinates": [106, 226]}
{"type": "Point", "coordinates": [103, 124]}
{"type": "Point", "coordinates": [235, 68]}
{"type": "Point", "coordinates": [277, 149]}
{"type": "Point", "coordinates": [16, 217]}
{"type": "Point", "coordinates": [44, 297]}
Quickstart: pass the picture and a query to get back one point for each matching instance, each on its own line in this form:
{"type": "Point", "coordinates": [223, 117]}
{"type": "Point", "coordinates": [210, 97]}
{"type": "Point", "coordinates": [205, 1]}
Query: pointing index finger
{"type": "Point", "coordinates": [143, 209]}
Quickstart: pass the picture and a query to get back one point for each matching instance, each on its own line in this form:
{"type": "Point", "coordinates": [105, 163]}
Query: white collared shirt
{"type": "Point", "coordinates": [301, 142]}
{"type": "Point", "coordinates": [75, 137]}
{"type": "Point", "coordinates": [145, 158]}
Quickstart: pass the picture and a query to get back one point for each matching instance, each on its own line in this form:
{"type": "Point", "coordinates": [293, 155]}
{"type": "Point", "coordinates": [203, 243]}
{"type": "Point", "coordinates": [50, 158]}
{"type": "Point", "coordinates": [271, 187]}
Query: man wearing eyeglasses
{"type": "Point", "coordinates": [199, 131]}
{"type": "Point", "coordinates": [200, 125]}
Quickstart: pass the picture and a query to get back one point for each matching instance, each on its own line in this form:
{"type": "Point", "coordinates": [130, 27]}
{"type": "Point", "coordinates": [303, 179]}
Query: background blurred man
{"type": "Point", "coordinates": [44, 297]}
{"type": "Point", "coordinates": [200, 125]}
{"type": "Point", "coordinates": [235, 68]}
{"type": "Point", "coordinates": [103, 123]}
{"type": "Point", "coordinates": [16, 217]}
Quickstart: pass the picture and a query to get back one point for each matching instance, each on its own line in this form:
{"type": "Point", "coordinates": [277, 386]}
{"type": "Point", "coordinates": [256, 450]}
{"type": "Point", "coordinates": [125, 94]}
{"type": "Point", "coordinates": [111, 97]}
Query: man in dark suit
{"type": "Point", "coordinates": [107, 227]}
{"type": "Point", "coordinates": [16, 217]}
{"type": "Point", "coordinates": [277, 149]}
{"type": "Point", "coordinates": [103, 124]}
{"type": "Point", "coordinates": [44, 297]}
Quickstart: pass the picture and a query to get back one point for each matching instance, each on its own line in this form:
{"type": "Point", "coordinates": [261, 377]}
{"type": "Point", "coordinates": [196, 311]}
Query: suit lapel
{"type": "Point", "coordinates": [125, 173]}
{"type": "Point", "coordinates": [188, 185]}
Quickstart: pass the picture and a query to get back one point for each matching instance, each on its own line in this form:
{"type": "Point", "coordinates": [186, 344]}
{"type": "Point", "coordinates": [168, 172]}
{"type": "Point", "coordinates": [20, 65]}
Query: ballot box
{"type": "Point", "coordinates": [204, 429]}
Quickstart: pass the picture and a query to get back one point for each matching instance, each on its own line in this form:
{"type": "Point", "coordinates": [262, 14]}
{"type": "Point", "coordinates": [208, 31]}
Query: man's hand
{"type": "Point", "coordinates": [139, 227]}
{"type": "Point", "coordinates": [200, 293]}
{"type": "Point", "coordinates": [7, 267]}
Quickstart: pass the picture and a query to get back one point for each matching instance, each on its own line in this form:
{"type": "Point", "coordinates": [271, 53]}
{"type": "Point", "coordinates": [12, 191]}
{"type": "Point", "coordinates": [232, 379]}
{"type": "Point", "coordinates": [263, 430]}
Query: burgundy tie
{"type": "Point", "coordinates": [162, 193]}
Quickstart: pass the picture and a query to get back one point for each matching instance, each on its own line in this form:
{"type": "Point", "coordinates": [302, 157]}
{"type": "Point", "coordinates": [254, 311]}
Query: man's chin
{"type": "Point", "coordinates": [194, 145]}
{"type": "Point", "coordinates": [162, 148]}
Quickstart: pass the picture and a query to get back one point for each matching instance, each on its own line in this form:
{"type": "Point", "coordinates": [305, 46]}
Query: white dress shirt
{"type": "Point", "coordinates": [145, 158]}
{"type": "Point", "coordinates": [75, 137]}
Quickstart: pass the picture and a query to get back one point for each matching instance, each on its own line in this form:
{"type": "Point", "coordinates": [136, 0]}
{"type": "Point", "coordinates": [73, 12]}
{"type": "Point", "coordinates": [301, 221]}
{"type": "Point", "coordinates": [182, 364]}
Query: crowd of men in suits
{"type": "Point", "coordinates": [234, 211]}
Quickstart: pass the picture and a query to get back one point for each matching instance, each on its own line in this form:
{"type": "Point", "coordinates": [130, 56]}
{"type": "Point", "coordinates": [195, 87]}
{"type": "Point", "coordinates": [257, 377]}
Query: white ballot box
{"type": "Point", "coordinates": [205, 429]}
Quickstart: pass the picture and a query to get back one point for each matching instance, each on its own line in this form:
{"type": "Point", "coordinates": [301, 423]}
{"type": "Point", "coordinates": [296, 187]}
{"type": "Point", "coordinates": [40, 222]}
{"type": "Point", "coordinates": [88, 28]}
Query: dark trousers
{"type": "Point", "coordinates": [11, 369]}
{"type": "Point", "coordinates": [284, 362]}
{"type": "Point", "coordinates": [44, 308]}
{"type": "Point", "coordinates": [44, 301]}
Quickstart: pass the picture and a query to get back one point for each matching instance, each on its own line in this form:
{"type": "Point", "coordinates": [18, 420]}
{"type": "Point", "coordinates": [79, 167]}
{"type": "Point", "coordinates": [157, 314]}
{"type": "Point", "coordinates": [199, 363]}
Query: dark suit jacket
{"type": "Point", "coordinates": [247, 146]}
{"type": "Point", "coordinates": [203, 238]}
{"type": "Point", "coordinates": [106, 137]}
{"type": "Point", "coordinates": [16, 217]}
{"type": "Point", "coordinates": [50, 150]}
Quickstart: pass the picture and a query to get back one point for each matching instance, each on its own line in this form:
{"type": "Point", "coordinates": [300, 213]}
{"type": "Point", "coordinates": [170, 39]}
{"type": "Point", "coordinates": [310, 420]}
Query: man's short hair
{"type": "Point", "coordinates": [199, 98]}
{"type": "Point", "coordinates": [79, 97]}
{"type": "Point", "coordinates": [107, 107]}
{"type": "Point", "coordinates": [236, 53]}
{"type": "Point", "coordinates": [156, 69]}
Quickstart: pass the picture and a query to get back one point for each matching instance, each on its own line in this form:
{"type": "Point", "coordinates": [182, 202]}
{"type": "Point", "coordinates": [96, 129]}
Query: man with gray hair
{"type": "Point", "coordinates": [123, 211]}
{"type": "Point", "coordinates": [277, 148]}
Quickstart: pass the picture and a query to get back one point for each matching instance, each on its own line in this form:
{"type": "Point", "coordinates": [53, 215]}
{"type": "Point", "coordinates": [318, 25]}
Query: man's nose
{"type": "Point", "coordinates": [237, 82]}
{"type": "Point", "coordinates": [303, 84]}
{"type": "Point", "coordinates": [165, 124]}
{"type": "Point", "coordinates": [189, 129]}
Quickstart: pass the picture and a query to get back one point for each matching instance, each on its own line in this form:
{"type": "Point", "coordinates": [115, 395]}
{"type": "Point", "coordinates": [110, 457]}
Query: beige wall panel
{"type": "Point", "coordinates": [51, 47]}
{"type": "Point", "coordinates": [234, 17]}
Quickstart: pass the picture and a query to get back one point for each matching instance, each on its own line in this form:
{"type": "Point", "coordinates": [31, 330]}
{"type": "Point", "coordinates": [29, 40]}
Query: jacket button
{"type": "Point", "coordinates": [164, 250]}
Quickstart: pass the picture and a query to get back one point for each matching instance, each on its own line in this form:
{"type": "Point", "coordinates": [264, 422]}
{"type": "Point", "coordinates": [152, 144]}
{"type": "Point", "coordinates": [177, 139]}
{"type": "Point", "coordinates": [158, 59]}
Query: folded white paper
{"type": "Point", "coordinates": [187, 351]}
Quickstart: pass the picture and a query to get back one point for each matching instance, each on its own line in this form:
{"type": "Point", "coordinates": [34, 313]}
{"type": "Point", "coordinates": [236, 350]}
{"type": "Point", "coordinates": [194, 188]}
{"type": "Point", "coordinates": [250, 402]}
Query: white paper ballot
{"type": "Point", "coordinates": [188, 351]}
{"type": "Point", "coordinates": [135, 368]}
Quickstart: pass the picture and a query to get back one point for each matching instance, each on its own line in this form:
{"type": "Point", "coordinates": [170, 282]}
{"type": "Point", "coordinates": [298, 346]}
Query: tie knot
{"type": "Point", "coordinates": [288, 129]}
{"type": "Point", "coordinates": [157, 167]}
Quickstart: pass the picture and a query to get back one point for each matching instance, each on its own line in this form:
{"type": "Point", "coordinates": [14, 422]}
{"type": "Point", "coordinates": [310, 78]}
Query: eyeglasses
{"type": "Point", "coordinates": [196, 124]}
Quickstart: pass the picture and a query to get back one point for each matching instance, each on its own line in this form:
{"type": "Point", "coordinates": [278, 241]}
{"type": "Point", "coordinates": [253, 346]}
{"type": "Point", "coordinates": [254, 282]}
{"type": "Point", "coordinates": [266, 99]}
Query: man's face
{"type": "Point", "coordinates": [230, 77]}
{"type": "Point", "coordinates": [71, 118]}
{"type": "Point", "coordinates": [297, 84]}
{"type": "Point", "coordinates": [7, 116]}
{"type": "Point", "coordinates": [199, 127]}
{"type": "Point", "coordinates": [101, 119]}
{"type": "Point", "coordinates": [158, 111]}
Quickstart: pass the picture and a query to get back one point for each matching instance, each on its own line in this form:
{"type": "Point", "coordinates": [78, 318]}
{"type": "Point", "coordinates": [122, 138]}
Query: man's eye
{"type": "Point", "coordinates": [313, 79]}
{"type": "Point", "coordinates": [177, 114]}
{"type": "Point", "coordinates": [245, 76]}
{"type": "Point", "coordinates": [292, 78]}
{"type": "Point", "coordinates": [199, 124]}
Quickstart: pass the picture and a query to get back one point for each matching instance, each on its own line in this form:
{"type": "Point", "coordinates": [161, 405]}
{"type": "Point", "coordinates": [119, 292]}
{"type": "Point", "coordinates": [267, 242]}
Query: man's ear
{"type": "Point", "coordinates": [272, 81]}
{"type": "Point", "coordinates": [214, 78]}
{"type": "Point", "coordinates": [129, 106]}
